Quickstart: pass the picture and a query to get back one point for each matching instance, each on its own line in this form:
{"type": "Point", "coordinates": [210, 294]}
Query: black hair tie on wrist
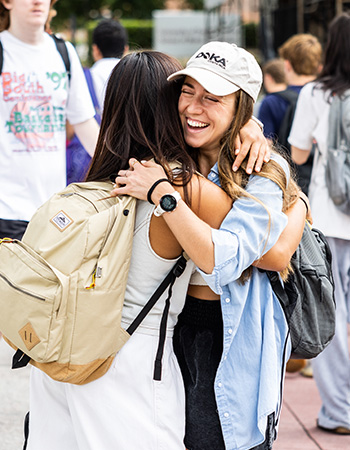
{"type": "Point", "coordinates": [152, 188]}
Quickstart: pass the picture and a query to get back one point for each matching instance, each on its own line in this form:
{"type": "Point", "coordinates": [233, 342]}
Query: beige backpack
{"type": "Point", "coordinates": [62, 287]}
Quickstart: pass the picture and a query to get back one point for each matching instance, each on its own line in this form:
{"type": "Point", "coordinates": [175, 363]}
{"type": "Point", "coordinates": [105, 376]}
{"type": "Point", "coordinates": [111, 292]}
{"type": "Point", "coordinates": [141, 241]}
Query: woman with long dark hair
{"type": "Point", "coordinates": [126, 408]}
{"type": "Point", "coordinates": [331, 368]}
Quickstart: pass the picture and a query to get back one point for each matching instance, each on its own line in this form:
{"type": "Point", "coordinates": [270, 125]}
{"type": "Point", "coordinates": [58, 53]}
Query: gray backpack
{"type": "Point", "coordinates": [307, 297]}
{"type": "Point", "coordinates": [338, 153]}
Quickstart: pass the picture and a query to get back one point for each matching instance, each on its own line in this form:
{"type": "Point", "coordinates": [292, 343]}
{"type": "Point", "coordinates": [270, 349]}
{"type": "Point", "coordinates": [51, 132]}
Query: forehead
{"type": "Point", "coordinates": [189, 81]}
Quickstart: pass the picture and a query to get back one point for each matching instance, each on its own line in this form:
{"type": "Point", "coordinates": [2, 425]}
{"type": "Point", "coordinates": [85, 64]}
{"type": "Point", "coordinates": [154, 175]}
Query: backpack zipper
{"type": "Point", "coordinates": [23, 291]}
{"type": "Point", "coordinates": [82, 196]}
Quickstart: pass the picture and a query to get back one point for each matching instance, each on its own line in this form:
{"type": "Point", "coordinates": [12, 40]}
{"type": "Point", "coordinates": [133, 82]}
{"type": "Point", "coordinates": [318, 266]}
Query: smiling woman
{"type": "Point", "coordinates": [204, 116]}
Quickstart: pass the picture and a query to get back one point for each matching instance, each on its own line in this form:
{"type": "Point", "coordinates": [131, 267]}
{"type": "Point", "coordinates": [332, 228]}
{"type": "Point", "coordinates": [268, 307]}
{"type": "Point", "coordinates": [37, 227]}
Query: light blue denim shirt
{"type": "Point", "coordinates": [249, 380]}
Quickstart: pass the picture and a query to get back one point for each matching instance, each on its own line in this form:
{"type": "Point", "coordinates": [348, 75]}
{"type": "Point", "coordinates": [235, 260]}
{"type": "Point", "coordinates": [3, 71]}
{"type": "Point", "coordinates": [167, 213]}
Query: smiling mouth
{"type": "Point", "coordinates": [196, 124]}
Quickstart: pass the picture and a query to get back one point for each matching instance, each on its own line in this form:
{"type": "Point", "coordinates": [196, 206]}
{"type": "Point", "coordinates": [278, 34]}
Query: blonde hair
{"type": "Point", "coordinates": [234, 183]}
{"type": "Point", "coordinates": [304, 52]}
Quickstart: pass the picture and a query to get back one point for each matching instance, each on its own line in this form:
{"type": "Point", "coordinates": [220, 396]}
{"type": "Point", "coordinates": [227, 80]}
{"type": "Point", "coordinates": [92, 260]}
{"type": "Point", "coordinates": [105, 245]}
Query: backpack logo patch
{"type": "Point", "coordinates": [29, 337]}
{"type": "Point", "coordinates": [61, 220]}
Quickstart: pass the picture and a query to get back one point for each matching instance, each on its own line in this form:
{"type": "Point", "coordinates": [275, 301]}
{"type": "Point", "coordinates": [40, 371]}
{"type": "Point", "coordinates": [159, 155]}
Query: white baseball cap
{"type": "Point", "coordinates": [222, 69]}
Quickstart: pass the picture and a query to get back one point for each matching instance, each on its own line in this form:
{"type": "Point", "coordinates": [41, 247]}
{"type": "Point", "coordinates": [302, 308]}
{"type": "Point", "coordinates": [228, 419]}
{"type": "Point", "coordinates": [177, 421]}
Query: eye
{"type": "Point", "coordinates": [186, 92]}
{"type": "Point", "coordinates": [212, 99]}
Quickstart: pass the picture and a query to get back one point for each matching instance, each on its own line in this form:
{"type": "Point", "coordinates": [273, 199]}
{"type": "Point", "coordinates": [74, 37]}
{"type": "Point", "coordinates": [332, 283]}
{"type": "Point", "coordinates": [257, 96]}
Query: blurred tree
{"type": "Point", "coordinates": [92, 9]}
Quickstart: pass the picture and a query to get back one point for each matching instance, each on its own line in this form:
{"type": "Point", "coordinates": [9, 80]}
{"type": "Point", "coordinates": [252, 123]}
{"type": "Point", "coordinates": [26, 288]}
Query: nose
{"type": "Point", "coordinates": [195, 105]}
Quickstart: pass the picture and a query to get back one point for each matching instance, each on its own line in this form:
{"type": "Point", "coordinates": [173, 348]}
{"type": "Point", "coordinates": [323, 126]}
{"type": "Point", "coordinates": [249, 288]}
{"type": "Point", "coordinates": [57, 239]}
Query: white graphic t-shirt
{"type": "Point", "coordinates": [35, 100]}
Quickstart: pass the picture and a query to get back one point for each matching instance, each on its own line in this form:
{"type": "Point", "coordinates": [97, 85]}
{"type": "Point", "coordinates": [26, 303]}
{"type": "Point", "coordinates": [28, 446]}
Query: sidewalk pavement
{"type": "Point", "coordinates": [297, 429]}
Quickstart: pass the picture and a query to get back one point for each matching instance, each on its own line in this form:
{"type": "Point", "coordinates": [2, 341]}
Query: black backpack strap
{"type": "Point", "coordinates": [277, 286]}
{"type": "Point", "coordinates": [19, 359]}
{"type": "Point", "coordinates": [61, 48]}
{"type": "Point", "coordinates": [169, 280]}
{"type": "Point", "coordinates": [63, 51]}
{"type": "Point", "coordinates": [288, 94]}
{"type": "Point", "coordinates": [1, 57]}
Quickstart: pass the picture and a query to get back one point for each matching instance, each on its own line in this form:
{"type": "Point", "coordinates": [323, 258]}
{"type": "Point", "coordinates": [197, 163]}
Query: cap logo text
{"type": "Point", "coordinates": [215, 59]}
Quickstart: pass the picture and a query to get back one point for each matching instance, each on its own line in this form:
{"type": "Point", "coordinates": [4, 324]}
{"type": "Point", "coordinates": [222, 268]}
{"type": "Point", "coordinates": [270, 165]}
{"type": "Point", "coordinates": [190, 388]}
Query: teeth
{"type": "Point", "coordinates": [193, 123]}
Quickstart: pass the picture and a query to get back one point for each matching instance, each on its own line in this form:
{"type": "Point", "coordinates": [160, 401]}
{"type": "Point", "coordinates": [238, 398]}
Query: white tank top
{"type": "Point", "coordinates": [147, 271]}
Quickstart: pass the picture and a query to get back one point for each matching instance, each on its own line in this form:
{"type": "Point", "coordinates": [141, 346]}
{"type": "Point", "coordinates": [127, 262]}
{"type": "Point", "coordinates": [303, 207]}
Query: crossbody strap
{"type": "Point", "coordinates": [169, 280]}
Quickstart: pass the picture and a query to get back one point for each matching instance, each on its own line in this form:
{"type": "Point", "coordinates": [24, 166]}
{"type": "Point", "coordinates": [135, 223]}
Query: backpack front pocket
{"type": "Point", "coordinates": [32, 301]}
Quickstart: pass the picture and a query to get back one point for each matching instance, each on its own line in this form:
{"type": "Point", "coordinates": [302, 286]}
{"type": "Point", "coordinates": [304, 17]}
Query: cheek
{"type": "Point", "coordinates": [181, 106]}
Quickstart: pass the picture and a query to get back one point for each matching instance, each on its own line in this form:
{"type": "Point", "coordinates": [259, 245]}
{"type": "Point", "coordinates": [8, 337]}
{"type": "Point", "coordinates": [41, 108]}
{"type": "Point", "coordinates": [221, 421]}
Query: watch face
{"type": "Point", "coordinates": [168, 202]}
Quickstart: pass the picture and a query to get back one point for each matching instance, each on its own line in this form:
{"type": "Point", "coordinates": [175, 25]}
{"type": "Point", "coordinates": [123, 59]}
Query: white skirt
{"type": "Point", "coordinates": [123, 410]}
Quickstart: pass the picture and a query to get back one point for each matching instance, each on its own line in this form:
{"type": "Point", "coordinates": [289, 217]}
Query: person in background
{"type": "Point", "coordinates": [274, 80]}
{"type": "Point", "coordinates": [331, 369]}
{"type": "Point", "coordinates": [302, 57]}
{"type": "Point", "coordinates": [36, 99]}
{"type": "Point", "coordinates": [109, 44]}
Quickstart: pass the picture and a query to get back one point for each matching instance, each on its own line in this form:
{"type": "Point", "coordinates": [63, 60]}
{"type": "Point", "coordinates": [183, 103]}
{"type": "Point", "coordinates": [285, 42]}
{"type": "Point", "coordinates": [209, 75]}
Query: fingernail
{"type": "Point", "coordinates": [143, 161]}
{"type": "Point", "coordinates": [257, 169]}
{"type": "Point", "coordinates": [236, 151]}
{"type": "Point", "coordinates": [114, 185]}
{"type": "Point", "coordinates": [249, 170]}
{"type": "Point", "coordinates": [235, 168]}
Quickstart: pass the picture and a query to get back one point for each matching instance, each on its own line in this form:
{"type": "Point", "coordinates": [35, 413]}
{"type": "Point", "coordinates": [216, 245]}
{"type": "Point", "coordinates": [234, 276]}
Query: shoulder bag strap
{"type": "Point", "coordinates": [63, 51]}
{"type": "Point", "coordinates": [169, 280]}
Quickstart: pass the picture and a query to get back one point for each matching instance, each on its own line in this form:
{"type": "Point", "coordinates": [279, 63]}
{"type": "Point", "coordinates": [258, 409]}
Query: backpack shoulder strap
{"type": "Point", "coordinates": [63, 51]}
{"type": "Point", "coordinates": [94, 99]}
{"type": "Point", "coordinates": [61, 48]}
{"type": "Point", "coordinates": [1, 57]}
{"type": "Point", "coordinates": [288, 94]}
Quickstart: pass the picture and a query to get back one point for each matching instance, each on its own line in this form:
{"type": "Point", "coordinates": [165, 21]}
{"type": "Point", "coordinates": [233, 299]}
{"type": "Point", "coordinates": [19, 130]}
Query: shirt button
{"type": "Point", "coordinates": [227, 300]}
{"type": "Point", "coordinates": [219, 384]}
{"type": "Point", "coordinates": [230, 331]}
{"type": "Point", "coordinates": [226, 414]}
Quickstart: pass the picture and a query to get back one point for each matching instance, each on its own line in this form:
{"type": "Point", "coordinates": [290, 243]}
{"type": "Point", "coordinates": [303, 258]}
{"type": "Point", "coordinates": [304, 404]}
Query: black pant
{"type": "Point", "coordinates": [198, 338]}
{"type": "Point", "coordinates": [13, 229]}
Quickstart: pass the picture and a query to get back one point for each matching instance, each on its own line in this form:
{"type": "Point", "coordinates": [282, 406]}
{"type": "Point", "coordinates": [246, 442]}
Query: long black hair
{"type": "Point", "coordinates": [335, 75]}
{"type": "Point", "coordinates": [140, 118]}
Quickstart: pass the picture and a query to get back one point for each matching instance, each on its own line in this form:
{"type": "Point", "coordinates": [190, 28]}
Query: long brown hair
{"type": "Point", "coordinates": [234, 183]}
{"type": "Point", "coordinates": [140, 118]}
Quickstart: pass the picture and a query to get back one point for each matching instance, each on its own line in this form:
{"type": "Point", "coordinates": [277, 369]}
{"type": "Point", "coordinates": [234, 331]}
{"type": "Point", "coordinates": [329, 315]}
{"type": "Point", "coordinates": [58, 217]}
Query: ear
{"type": "Point", "coordinates": [126, 49]}
{"type": "Point", "coordinates": [96, 53]}
{"type": "Point", "coordinates": [287, 66]}
{"type": "Point", "coordinates": [6, 4]}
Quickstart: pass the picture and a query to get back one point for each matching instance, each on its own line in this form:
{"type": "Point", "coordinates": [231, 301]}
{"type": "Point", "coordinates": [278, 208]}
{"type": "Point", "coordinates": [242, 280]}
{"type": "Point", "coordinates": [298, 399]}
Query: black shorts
{"type": "Point", "coordinates": [198, 345]}
{"type": "Point", "coordinates": [12, 228]}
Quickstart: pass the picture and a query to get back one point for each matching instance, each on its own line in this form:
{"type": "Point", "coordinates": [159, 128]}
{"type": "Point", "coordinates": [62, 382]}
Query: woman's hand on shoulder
{"type": "Point", "coordinates": [251, 140]}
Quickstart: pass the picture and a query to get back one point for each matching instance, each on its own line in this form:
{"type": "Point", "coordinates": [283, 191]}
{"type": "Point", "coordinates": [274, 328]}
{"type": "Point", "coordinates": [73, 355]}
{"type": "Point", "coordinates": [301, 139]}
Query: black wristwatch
{"type": "Point", "coordinates": [167, 203]}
